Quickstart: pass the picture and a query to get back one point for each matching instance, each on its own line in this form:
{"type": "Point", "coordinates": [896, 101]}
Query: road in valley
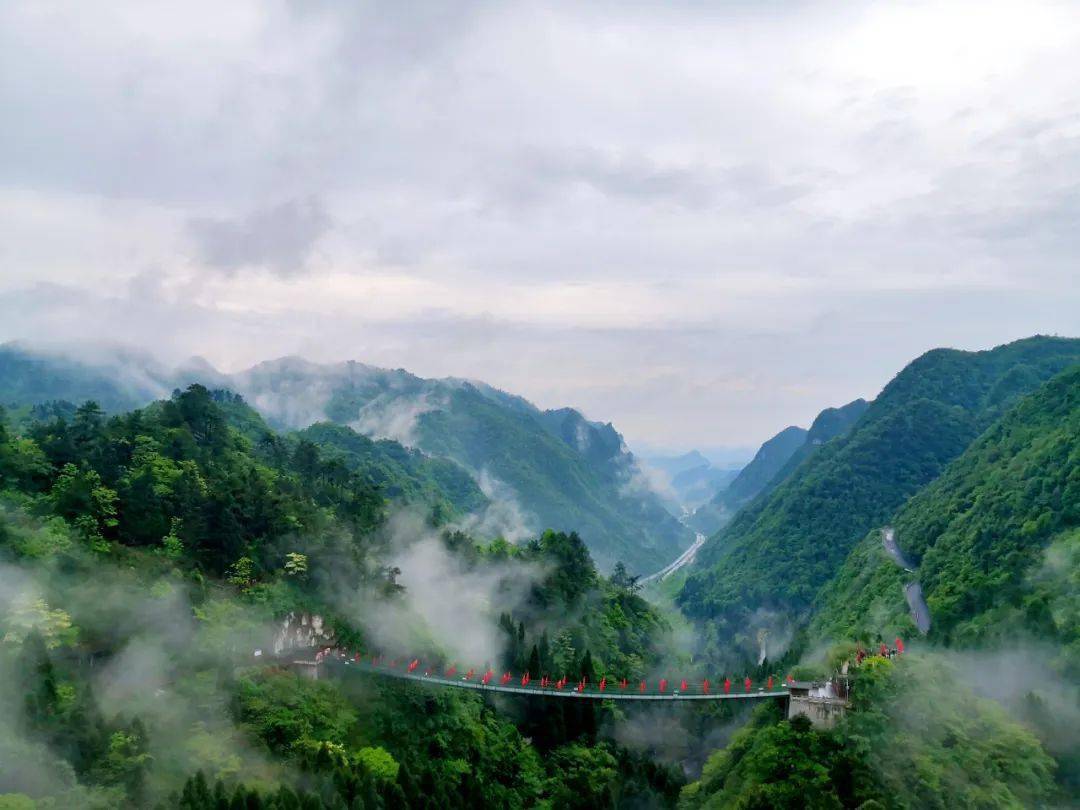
{"type": "Point", "coordinates": [684, 558]}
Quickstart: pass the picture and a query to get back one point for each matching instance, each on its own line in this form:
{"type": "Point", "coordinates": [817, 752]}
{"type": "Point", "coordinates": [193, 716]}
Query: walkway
{"type": "Point", "coordinates": [342, 664]}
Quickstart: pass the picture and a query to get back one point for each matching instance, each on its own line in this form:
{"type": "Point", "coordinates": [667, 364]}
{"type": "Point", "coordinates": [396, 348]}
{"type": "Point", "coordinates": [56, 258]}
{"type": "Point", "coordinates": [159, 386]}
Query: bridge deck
{"type": "Point", "coordinates": [612, 693]}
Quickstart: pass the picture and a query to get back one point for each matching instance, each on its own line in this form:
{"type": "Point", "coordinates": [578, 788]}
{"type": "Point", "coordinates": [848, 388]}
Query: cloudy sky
{"type": "Point", "coordinates": [701, 221]}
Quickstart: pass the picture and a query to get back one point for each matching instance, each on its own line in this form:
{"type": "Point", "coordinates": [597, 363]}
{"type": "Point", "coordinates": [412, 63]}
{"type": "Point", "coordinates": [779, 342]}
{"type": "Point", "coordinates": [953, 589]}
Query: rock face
{"type": "Point", "coordinates": [299, 631]}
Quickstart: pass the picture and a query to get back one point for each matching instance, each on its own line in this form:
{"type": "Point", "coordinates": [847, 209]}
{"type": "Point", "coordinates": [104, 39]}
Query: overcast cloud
{"type": "Point", "coordinates": [702, 222]}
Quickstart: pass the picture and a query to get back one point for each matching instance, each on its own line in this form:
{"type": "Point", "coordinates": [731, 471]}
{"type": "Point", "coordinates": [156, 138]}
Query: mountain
{"type": "Point", "coordinates": [752, 479]}
{"type": "Point", "coordinates": [674, 465]}
{"type": "Point", "coordinates": [691, 478]}
{"type": "Point", "coordinates": [828, 425]}
{"type": "Point", "coordinates": [778, 552]}
{"type": "Point", "coordinates": [700, 485]}
{"type": "Point", "coordinates": [117, 382]}
{"type": "Point", "coordinates": [554, 469]}
{"type": "Point", "coordinates": [994, 541]}
{"type": "Point", "coordinates": [398, 472]}
{"type": "Point", "coordinates": [544, 469]}
{"type": "Point", "coordinates": [774, 462]}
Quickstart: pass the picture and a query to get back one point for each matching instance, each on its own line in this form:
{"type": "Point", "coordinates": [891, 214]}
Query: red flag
{"type": "Point", "coordinates": [663, 684]}
{"type": "Point", "coordinates": [642, 687]}
{"type": "Point", "coordinates": [790, 678]}
{"type": "Point", "coordinates": [746, 683]}
{"type": "Point", "coordinates": [451, 672]}
{"type": "Point", "coordinates": [469, 674]}
{"type": "Point", "coordinates": [414, 664]}
{"type": "Point", "coordinates": [603, 683]}
{"type": "Point", "coordinates": [682, 686]}
{"type": "Point", "coordinates": [727, 686]}
{"type": "Point", "coordinates": [883, 650]}
{"type": "Point", "coordinates": [581, 686]}
{"type": "Point", "coordinates": [525, 679]}
{"type": "Point", "coordinates": [899, 645]}
{"type": "Point", "coordinates": [705, 687]}
{"type": "Point", "coordinates": [622, 683]}
{"type": "Point", "coordinates": [486, 678]}
{"type": "Point", "coordinates": [770, 682]}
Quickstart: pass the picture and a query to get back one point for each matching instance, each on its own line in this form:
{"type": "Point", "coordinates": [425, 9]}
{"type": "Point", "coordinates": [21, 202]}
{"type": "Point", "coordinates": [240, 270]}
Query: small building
{"type": "Point", "coordinates": [823, 703]}
{"type": "Point", "coordinates": [306, 669]}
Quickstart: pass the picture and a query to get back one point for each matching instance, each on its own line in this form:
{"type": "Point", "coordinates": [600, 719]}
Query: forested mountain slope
{"type": "Point", "coordinates": [828, 425]}
{"type": "Point", "coordinates": [774, 462]}
{"type": "Point", "coordinates": [31, 378]}
{"type": "Point", "coordinates": [565, 471]}
{"type": "Point", "coordinates": [144, 556]}
{"type": "Point", "coordinates": [399, 472]}
{"type": "Point", "coordinates": [994, 539]}
{"type": "Point", "coordinates": [551, 469]}
{"type": "Point", "coordinates": [916, 737]}
{"type": "Point", "coordinates": [778, 552]}
{"type": "Point", "coordinates": [752, 479]}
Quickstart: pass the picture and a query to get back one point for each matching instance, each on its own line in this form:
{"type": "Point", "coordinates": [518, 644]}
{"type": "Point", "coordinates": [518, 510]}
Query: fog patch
{"type": "Point", "coordinates": [396, 417]}
{"type": "Point", "coordinates": [644, 478]}
{"type": "Point", "coordinates": [151, 658]}
{"type": "Point", "coordinates": [447, 604]}
{"type": "Point", "coordinates": [504, 516]}
{"type": "Point", "coordinates": [683, 735]}
{"type": "Point", "coordinates": [771, 633]}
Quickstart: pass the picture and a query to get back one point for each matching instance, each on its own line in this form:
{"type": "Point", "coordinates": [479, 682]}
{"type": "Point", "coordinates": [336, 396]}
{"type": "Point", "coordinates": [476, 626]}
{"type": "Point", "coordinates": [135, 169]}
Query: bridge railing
{"type": "Point", "coordinates": [525, 684]}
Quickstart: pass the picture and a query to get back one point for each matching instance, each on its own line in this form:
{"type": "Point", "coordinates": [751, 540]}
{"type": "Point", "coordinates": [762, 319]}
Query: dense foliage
{"type": "Point", "coordinates": [980, 536]}
{"type": "Point", "coordinates": [571, 478]}
{"type": "Point", "coordinates": [144, 556]}
{"type": "Point", "coordinates": [775, 462]}
{"type": "Point", "coordinates": [916, 738]}
{"type": "Point", "coordinates": [399, 472]}
{"type": "Point", "coordinates": [783, 548]}
{"type": "Point", "coordinates": [561, 470]}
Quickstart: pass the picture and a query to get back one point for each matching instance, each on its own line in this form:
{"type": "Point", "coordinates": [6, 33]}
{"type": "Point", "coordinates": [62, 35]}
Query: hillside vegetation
{"type": "Point", "coordinates": [916, 738]}
{"type": "Point", "coordinates": [145, 555]}
{"type": "Point", "coordinates": [775, 462]}
{"type": "Point", "coordinates": [544, 469]}
{"type": "Point", "coordinates": [991, 538]}
{"type": "Point", "coordinates": [784, 547]}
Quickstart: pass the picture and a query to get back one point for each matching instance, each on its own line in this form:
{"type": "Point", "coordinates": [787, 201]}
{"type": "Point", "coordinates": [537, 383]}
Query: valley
{"type": "Point", "coordinates": [147, 552]}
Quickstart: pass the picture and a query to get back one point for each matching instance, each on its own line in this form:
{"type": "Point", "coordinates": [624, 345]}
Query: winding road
{"type": "Point", "coordinates": [920, 613]}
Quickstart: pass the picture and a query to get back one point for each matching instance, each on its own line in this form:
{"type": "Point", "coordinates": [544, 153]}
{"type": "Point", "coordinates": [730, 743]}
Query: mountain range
{"type": "Point", "coordinates": [550, 469]}
{"type": "Point", "coordinates": [768, 566]}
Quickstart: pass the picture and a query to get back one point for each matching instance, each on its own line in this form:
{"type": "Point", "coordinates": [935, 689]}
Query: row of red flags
{"type": "Point", "coordinates": [549, 683]}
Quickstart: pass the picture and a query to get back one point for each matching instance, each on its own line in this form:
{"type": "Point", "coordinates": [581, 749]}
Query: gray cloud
{"type": "Point", "coordinates": [279, 238]}
{"type": "Point", "coordinates": [700, 222]}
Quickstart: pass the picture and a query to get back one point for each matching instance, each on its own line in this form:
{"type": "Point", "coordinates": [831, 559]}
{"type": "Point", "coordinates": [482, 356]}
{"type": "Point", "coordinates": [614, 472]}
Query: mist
{"type": "Point", "coordinates": [448, 606]}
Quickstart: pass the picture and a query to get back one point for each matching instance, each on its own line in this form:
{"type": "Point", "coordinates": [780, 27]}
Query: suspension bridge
{"type": "Point", "coordinates": [341, 662]}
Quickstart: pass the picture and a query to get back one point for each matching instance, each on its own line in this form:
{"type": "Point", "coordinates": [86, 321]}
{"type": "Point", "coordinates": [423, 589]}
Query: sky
{"type": "Point", "coordinates": [699, 221]}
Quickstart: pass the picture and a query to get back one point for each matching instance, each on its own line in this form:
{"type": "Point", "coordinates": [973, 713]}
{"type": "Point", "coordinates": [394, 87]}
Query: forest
{"type": "Point", "coordinates": [146, 555]}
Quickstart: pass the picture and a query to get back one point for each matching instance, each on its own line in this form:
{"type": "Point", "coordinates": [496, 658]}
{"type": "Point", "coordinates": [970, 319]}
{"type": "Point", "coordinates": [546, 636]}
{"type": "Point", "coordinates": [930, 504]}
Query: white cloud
{"type": "Point", "coordinates": [619, 206]}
